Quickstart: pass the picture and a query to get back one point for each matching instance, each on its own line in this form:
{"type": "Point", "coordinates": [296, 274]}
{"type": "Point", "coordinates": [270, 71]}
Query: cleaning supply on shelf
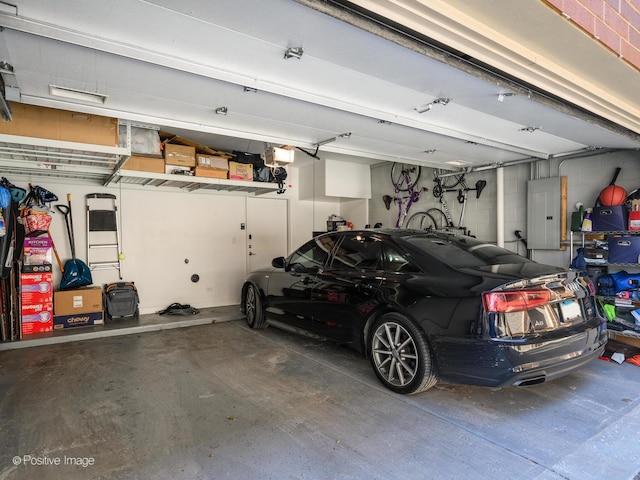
{"type": "Point", "coordinates": [586, 222]}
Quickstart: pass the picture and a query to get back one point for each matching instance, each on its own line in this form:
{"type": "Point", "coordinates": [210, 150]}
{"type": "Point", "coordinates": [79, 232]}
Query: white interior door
{"type": "Point", "coordinates": [267, 229]}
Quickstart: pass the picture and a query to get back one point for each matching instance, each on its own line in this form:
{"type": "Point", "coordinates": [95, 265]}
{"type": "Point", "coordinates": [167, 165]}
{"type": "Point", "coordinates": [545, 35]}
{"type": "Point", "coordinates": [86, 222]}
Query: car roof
{"type": "Point", "coordinates": [394, 233]}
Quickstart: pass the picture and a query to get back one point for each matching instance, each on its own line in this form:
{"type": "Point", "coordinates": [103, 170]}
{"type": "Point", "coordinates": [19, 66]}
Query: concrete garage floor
{"type": "Point", "coordinates": [222, 401]}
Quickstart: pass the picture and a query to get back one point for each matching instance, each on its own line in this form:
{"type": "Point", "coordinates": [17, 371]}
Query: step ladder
{"type": "Point", "coordinates": [103, 238]}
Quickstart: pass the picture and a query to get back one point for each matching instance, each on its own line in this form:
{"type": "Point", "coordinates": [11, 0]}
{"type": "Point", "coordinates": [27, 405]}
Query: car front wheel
{"type": "Point", "coordinates": [253, 308]}
{"type": "Point", "coordinates": [400, 355]}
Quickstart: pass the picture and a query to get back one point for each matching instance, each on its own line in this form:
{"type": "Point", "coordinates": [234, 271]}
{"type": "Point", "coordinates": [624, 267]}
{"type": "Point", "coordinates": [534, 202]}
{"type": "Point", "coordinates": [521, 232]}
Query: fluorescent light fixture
{"type": "Point", "coordinates": [279, 156]}
{"type": "Point", "coordinates": [79, 95]}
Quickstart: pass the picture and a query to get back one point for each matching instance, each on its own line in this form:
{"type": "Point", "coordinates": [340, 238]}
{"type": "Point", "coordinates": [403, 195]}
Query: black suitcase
{"type": "Point", "coordinates": [121, 300]}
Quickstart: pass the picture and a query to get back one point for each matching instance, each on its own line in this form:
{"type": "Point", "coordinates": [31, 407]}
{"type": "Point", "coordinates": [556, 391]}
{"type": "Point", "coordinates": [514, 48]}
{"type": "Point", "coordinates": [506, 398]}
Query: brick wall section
{"type": "Point", "coordinates": [613, 23]}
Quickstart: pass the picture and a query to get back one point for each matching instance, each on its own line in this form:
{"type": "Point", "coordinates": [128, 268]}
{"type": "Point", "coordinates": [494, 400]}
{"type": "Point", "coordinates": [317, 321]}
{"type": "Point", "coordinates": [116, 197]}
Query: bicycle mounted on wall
{"type": "Point", "coordinates": [405, 179]}
{"type": "Point", "coordinates": [452, 183]}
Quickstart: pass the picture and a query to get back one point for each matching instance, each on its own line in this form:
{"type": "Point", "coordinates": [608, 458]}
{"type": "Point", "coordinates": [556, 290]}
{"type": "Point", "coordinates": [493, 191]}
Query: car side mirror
{"type": "Point", "coordinates": [278, 262]}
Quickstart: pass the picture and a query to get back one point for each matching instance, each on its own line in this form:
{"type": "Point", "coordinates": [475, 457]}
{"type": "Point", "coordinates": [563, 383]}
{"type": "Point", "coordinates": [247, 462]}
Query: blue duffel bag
{"type": "Point", "coordinates": [612, 283]}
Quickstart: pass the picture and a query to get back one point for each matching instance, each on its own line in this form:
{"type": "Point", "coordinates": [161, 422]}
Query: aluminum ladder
{"type": "Point", "coordinates": [103, 238]}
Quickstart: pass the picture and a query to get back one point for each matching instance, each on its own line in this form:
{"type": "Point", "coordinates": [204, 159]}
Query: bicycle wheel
{"type": "Point", "coordinates": [440, 218]}
{"type": "Point", "coordinates": [398, 179]}
{"type": "Point", "coordinates": [421, 221]}
{"type": "Point", "coordinates": [449, 181]}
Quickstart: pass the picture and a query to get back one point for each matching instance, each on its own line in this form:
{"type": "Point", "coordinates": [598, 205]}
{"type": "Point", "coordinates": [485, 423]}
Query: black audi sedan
{"type": "Point", "coordinates": [426, 306]}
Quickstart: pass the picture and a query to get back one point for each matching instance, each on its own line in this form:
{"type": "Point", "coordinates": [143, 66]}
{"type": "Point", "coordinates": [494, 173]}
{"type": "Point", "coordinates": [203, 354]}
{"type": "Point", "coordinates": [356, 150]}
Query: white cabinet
{"type": "Point", "coordinates": [335, 179]}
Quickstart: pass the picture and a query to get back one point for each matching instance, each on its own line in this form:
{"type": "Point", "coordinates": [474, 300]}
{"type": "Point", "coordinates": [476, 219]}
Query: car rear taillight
{"type": "Point", "coordinates": [516, 301]}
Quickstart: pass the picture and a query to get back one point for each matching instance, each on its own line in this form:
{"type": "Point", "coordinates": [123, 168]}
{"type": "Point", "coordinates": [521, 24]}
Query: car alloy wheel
{"type": "Point", "coordinates": [253, 308]}
{"type": "Point", "coordinates": [400, 355]}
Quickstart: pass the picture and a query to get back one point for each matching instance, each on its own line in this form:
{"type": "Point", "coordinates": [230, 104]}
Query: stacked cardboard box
{"type": "Point", "coordinates": [36, 286]}
{"type": "Point", "coordinates": [78, 308]}
{"type": "Point", "coordinates": [36, 296]}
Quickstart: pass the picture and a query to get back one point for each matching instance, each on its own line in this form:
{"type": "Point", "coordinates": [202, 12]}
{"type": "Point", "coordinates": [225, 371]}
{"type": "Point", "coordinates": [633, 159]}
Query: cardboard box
{"type": "Point", "coordinates": [54, 124]}
{"type": "Point", "coordinates": [211, 172]}
{"type": "Point", "coordinates": [170, 138]}
{"type": "Point", "coordinates": [81, 300]}
{"type": "Point", "coordinates": [182, 155]}
{"type": "Point", "coordinates": [37, 251]}
{"type": "Point", "coordinates": [211, 161]}
{"type": "Point", "coordinates": [241, 171]}
{"type": "Point", "coordinates": [36, 288]}
{"type": "Point", "coordinates": [78, 320]}
{"type": "Point", "coordinates": [144, 164]}
{"type": "Point", "coordinates": [37, 318]}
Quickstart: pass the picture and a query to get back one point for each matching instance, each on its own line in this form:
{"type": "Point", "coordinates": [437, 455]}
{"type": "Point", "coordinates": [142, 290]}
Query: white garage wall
{"type": "Point", "coordinates": [585, 178]}
{"type": "Point", "coordinates": [167, 236]}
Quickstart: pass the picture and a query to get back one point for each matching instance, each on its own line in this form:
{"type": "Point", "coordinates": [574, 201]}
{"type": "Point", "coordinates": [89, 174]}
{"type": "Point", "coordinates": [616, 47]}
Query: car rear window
{"type": "Point", "coordinates": [465, 253]}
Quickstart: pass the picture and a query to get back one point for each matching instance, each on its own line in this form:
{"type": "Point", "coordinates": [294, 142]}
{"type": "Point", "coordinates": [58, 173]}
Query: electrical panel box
{"type": "Point", "coordinates": [544, 214]}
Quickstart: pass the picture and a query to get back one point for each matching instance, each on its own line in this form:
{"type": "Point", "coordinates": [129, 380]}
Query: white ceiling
{"type": "Point", "coordinates": [171, 63]}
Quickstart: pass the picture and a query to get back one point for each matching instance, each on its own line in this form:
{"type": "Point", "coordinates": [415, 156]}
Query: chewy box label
{"type": "Point", "coordinates": [78, 320]}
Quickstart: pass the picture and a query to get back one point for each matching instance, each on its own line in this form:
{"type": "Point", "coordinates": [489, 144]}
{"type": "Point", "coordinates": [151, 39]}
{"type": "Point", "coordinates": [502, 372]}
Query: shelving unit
{"type": "Point", "coordinates": [30, 156]}
{"type": "Point", "coordinates": [620, 336]}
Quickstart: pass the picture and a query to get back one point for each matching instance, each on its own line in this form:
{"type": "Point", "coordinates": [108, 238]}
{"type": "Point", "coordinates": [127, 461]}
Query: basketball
{"type": "Point", "coordinates": [612, 195]}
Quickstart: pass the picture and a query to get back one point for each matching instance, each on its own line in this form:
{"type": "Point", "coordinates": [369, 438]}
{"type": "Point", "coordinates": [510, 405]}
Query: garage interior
{"type": "Point", "coordinates": [350, 88]}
